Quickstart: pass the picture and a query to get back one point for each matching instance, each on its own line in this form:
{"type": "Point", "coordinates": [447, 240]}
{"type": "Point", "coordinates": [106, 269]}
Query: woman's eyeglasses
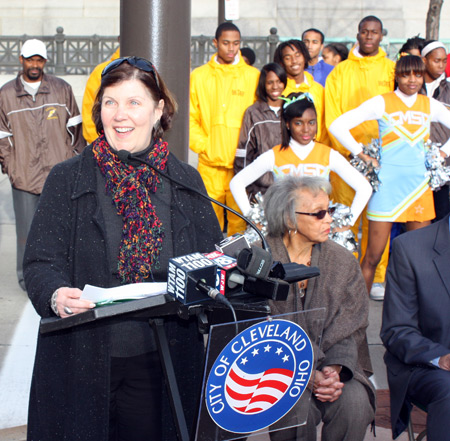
{"type": "Point", "coordinates": [140, 63]}
{"type": "Point", "coordinates": [320, 214]}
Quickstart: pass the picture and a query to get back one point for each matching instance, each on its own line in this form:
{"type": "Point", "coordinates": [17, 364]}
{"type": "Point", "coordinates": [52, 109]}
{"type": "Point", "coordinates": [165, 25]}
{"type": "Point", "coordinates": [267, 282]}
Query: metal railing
{"type": "Point", "coordinates": [67, 54]}
{"type": "Point", "coordinates": [78, 55]}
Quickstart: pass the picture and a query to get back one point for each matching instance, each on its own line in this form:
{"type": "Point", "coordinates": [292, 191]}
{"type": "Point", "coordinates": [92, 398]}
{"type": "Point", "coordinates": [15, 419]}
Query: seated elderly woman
{"type": "Point", "coordinates": [108, 222]}
{"type": "Point", "coordinates": [298, 221]}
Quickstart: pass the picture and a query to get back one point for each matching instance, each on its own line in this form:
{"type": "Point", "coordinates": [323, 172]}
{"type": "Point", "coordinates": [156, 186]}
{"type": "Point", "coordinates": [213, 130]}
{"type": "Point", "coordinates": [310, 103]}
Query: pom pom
{"type": "Point", "coordinates": [342, 217]}
{"type": "Point", "coordinates": [437, 172]}
{"type": "Point", "coordinates": [371, 173]}
{"type": "Point", "coordinates": [258, 218]}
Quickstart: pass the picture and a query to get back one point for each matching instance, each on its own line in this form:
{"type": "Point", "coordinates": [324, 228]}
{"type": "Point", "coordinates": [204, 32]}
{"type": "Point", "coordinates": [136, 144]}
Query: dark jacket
{"type": "Point", "coordinates": [439, 133]}
{"type": "Point", "coordinates": [36, 134]}
{"type": "Point", "coordinates": [67, 247]}
{"type": "Point", "coordinates": [260, 131]}
{"type": "Point", "coordinates": [416, 325]}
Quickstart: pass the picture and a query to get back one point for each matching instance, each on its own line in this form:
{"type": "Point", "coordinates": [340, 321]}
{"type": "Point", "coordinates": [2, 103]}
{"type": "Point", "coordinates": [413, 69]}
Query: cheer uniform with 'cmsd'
{"type": "Point", "coordinates": [313, 159]}
{"type": "Point", "coordinates": [404, 194]}
{"type": "Point", "coordinates": [404, 126]}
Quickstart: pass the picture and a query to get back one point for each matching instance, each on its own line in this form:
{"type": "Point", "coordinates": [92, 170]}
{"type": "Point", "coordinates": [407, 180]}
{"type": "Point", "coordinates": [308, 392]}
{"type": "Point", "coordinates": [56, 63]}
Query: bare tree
{"type": "Point", "coordinates": [433, 17]}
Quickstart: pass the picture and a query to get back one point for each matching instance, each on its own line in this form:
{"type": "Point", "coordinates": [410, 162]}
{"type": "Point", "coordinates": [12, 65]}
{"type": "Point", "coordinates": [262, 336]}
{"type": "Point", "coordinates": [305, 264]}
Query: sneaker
{"type": "Point", "coordinates": [377, 291]}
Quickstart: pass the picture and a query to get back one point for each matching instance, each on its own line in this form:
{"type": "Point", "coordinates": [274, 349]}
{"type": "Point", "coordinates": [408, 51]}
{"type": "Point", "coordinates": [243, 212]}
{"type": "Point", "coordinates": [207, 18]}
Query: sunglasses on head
{"type": "Point", "coordinates": [139, 63]}
{"type": "Point", "coordinates": [320, 214]}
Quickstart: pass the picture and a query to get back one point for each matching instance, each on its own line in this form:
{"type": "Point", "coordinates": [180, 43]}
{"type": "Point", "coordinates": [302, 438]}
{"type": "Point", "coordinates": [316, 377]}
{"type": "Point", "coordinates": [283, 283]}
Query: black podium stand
{"type": "Point", "coordinates": [154, 309]}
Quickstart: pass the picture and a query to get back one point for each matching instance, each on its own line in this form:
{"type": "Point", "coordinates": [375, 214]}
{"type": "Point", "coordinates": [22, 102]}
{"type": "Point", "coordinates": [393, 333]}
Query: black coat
{"type": "Point", "coordinates": [416, 325]}
{"type": "Point", "coordinates": [67, 247]}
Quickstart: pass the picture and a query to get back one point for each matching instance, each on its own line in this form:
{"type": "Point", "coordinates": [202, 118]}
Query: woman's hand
{"type": "Point", "coordinates": [368, 160]}
{"type": "Point", "coordinates": [70, 298]}
{"type": "Point", "coordinates": [327, 385]}
{"type": "Point", "coordinates": [443, 155]}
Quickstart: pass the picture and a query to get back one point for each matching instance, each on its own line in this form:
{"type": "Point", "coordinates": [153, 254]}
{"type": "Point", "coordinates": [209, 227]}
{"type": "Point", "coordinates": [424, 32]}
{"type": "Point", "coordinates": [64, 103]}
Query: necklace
{"type": "Point", "coordinates": [303, 284]}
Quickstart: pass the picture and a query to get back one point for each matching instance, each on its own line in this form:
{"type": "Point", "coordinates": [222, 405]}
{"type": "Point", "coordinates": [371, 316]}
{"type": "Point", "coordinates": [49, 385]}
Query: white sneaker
{"type": "Point", "coordinates": [377, 291]}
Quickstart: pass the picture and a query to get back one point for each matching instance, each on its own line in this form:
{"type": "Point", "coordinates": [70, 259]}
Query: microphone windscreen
{"type": "Point", "coordinates": [184, 272]}
{"type": "Point", "coordinates": [255, 262]}
{"type": "Point", "coordinates": [123, 155]}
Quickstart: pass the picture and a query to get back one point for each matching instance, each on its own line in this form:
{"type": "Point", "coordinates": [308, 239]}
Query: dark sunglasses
{"type": "Point", "coordinates": [140, 63]}
{"type": "Point", "coordinates": [320, 214]}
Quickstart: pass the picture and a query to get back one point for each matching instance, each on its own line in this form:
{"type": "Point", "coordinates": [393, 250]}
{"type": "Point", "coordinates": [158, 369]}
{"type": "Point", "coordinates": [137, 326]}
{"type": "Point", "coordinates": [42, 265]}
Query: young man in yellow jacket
{"type": "Point", "coordinates": [220, 92]}
{"type": "Point", "coordinates": [366, 73]}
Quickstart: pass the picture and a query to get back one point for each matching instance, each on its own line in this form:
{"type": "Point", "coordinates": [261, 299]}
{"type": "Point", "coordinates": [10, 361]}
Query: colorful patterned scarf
{"type": "Point", "coordinates": [131, 185]}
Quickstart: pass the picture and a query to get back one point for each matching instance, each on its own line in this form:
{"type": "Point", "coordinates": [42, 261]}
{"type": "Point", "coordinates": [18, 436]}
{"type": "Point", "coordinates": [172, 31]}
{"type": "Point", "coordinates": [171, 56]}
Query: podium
{"type": "Point", "coordinates": [256, 375]}
{"type": "Point", "coordinates": [256, 370]}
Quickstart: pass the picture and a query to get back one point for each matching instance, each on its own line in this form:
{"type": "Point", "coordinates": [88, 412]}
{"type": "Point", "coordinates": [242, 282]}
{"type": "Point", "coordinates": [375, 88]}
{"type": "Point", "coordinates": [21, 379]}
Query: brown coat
{"type": "Point", "coordinates": [260, 131]}
{"type": "Point", "coordinates": [36, 134]}
{"type": "Point", "coordinates": [341, 290]}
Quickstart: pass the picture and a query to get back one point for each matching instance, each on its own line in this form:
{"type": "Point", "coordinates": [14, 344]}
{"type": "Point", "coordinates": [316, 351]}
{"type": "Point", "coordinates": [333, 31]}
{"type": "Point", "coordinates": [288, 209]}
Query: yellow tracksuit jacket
{"type": "Point", "coordinates": [219, 96]}
{"type": "Point", "coordinates": [351, 83]}
{"type": "Point", "coordinates": [90, 92]}
{"type": "Point", "coordinates": [317, 92]}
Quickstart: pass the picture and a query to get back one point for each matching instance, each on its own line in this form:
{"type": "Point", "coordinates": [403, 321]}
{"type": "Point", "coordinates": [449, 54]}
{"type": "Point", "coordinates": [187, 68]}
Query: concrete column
{"type": "Point", "coordinates": [160, 31]}
{"type": "Point", "coordinates": [221, 14]}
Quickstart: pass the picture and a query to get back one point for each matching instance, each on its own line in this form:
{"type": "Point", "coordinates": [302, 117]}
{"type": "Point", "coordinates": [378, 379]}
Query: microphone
{"type": "Point", "coordinates": [228, 277]}
{"type": "Point", "coordinates": [190, 278]}
{"type": "Point", "coordinates": [127, 157]}
{"type": "Point", "coordinates": [124, 155]}
{"type": "Point", "coordinates": [211, 292]}
{"type": "Point", "coordinates": [232, 245]}
{"type": "Point", "coordinates": [184, 272]}
{"type": "Point", "coordinates": [255, 262]}
{"type": "Point", "coordinates": [293, 272]}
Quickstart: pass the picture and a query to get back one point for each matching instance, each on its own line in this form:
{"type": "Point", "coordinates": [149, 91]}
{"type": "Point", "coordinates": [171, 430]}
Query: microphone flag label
{"type": "Point", "coordinates": [259, 376]}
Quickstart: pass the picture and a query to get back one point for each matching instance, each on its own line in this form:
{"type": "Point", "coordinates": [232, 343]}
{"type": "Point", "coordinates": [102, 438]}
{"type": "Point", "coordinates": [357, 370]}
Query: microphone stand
{"type": "Point", "coordinates": [126, 156]}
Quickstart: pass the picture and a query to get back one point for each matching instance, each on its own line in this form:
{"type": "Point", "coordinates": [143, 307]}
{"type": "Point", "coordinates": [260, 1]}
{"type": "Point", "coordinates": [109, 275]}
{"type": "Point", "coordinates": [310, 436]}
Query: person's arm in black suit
{"type": "Point", "coordinates": [400, 331]}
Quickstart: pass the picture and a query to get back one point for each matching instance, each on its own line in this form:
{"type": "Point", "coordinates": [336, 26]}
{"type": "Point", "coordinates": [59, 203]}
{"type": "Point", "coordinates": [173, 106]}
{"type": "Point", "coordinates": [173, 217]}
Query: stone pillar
{"type": "Point", "coordinates": [160, 31]}
{"type": "Point", "coordinates": [221, 14]}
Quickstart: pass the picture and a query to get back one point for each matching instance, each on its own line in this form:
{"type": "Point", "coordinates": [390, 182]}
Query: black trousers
{"type": "Point", "coordinates": [135, 400]}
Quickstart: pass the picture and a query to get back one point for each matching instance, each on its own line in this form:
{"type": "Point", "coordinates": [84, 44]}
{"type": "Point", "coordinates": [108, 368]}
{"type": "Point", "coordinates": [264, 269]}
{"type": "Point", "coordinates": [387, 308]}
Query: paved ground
{"type": "Point", "coordinates": [18, 330]}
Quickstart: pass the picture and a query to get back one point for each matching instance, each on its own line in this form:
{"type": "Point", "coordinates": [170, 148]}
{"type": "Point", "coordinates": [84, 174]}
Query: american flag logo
{"type": "Point", "coordinates": [254, 393]}
{"type": "Point", "coordinates": [258, 377]}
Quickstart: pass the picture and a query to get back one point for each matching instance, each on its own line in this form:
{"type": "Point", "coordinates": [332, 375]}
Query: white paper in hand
{"type": "Point", "coordinates": [125, 292]}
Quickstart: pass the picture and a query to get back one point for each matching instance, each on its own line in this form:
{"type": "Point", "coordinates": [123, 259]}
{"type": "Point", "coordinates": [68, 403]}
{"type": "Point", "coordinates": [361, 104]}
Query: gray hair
{"type": "Point", "coordinates": [281, 199]}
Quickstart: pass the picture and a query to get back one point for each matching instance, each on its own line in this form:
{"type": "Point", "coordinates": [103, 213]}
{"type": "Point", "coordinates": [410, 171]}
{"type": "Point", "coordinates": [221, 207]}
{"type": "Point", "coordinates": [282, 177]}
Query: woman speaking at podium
{"type": "Point", "coordinates": [107, 221]}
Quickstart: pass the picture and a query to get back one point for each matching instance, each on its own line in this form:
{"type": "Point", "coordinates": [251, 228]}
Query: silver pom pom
{"type": "Point", "coordinates": [437, 172]}
{"type": "Point", "coordinates": [342, 217]}
{"type": "Point", "coordinates": [371, 173]}
{"type": "Point", "coordinates": [258, 218]}
{"type": "Point", "coordinates": [346, 239]}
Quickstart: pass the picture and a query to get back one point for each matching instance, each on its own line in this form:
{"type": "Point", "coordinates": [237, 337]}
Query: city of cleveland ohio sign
{"type": "Point", "coordinates": [259, 376]}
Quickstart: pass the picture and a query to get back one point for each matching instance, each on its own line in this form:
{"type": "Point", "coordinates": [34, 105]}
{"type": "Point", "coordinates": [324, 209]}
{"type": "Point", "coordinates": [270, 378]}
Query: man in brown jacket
{"type": "Point", "coordinates": [40, 126]}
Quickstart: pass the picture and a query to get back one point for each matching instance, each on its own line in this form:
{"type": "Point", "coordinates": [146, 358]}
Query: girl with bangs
{"type": "Point", "coordinates": [404, 118]}
{"type": "Point", "coordinates": [300, 155]}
